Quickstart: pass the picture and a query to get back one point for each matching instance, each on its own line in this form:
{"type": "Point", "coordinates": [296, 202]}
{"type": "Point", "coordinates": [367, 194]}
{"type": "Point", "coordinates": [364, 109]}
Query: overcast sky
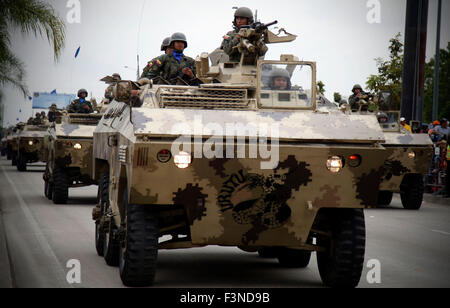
{"type": "Point", "coordinates": [335, 34]}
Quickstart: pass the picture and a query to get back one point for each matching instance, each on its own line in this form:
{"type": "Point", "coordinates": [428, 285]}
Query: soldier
{"type": "Point", "coordinates": [242, 17]}
{"type": "Point", "coordinates": [81, 105]}
{"type": "Point", "coordinates": [354, 99]}
{"type": "Point", "coordinates": [52, 113]}
{"type": "Point", "coordinates": [280, 79]}
{"type": "Point", "coordinates": [175, 64]}
{"type": "Point", "coordinates": [165, 46]}
{"type": "Point", "coordinates": [37, 120]}
{"type": "Point", "coordinates": [382, 118]}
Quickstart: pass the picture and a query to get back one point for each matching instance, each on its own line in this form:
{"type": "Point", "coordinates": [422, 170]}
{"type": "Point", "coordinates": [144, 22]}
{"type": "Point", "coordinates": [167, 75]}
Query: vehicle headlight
{"type": "Point", "coordinates": [335, 164]}
{"type": "Point", "coordinates": [412, 155]}
{"type": "Point", "coordinates": [183, 160]}
{"type": "Point", "coordinates": [77, 146]}
{"type": "Point", "coordinates": [30, 142]}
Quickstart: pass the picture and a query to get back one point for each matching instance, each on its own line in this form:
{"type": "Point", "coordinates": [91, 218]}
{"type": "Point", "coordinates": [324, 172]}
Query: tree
{"type": "Point", "coordinates": [321, 87]}
{"type": "Point", "coordinates": [337, 97]}
{"type": "Point", "coordinates": [390, 72]}
{"type": "Point", "coordinates": [444, 89]}
{"type": "Point", "coordinates": [31, 17]}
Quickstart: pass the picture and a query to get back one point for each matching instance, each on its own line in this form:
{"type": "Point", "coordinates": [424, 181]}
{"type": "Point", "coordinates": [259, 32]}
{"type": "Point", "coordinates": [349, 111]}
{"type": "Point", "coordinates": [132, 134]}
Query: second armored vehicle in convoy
{"type": "Point", "coordinates": [243, 159]}
{"type": "Point", "coordinates": [408, 161]}
{"type": "Point", "coordinates": [69, 150]}
{"type": "Point", "coordinates": [30, 146]}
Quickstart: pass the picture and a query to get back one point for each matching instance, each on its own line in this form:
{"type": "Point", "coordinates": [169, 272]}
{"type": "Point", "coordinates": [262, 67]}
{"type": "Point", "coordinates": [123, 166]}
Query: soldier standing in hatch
{"type": "Point", "coordinates": [175, 64]}
{"type": "Point", "coordinates": [355, 97]}
{"type": "Point", "coordinates": [81, 105]}
{"type": "Point", "coordinates": [37, 120]}
{"type": "Point", "coordinates": [242, 17]}
{"type": "Point", "coordinates": [165, 46]}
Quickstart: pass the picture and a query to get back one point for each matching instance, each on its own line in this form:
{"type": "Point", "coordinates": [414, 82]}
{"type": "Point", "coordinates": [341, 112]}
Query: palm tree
{"type": "Point", "coordinates": [31, 17]}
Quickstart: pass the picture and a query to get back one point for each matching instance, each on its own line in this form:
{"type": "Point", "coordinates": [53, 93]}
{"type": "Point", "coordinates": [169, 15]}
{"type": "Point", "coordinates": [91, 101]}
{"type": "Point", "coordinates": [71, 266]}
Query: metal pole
{"type": "Point", "coordinates": [436, 67]}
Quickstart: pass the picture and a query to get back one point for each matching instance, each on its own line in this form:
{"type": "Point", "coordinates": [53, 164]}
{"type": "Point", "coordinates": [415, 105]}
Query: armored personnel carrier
{"type": "Point", "coordinates": [409, 158]}
{"type": "Point", "coordinates": [30, 147]}
{"type": "Point", "coordinates": [238, 160]}
{"type": "Point", "coordinates": [69, 150]}
{"type": "Point", "coordinates": [12, 143]}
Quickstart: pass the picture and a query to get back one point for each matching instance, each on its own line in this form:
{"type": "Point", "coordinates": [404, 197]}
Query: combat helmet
{"type": "Point", "coordinates": [279, 72]}
{"type": "Point", "coordinates": [382, 115]}
{"type": "Point", "coordinates": [116, 77]}
{"type": "Point", "coordinates": [82, 91]}
{"type": "Point", "coordinates": [178, 37]}
{"type": "Point", "coordinates": [357, 86]}
{"type": "Point", "coordinates": [244, 12]}
{"type": "Point", "coordinates": [165, 44]}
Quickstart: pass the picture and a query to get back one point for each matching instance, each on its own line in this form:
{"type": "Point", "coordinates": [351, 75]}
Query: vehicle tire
{"type": "Point", "coordinates": [14, 159]}
{"type": "Point", "coordinates": [268, 252]}
{"type": "Point", "coordinates": [22, 163]}
{"type": "Point", "coordinates": [60, 186]}
{"type": "Point", "coordinates": [341, 264]}
{"type": "Point", "coordinates": [384, 198]}
{"type": "Point", "coordinates": [48, 187]}
{"type": "Point", "coordinates": [139, 252]}
{"type": "Point", "coordinates": [8, 154]}
{"type": "Point", "coordinates": [111, 246]}
{"type": "Point", "coordinates": [103, 196]}
{"type": "Point", "coordinates": [412, 192]}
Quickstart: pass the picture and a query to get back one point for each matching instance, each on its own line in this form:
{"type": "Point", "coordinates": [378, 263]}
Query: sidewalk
{"type": "Point", "coordinates": [5, 269]}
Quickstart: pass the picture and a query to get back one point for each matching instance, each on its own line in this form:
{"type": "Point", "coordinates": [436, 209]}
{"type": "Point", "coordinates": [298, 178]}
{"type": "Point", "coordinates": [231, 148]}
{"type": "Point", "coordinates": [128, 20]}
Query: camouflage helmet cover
{"type": "Point", "coordinates": [165, 44]}
{"type": "Point", "coordinates": [244, 12]}
{"type": "Point", "coordinates": [357, 86]}
{"type": "Point", "coordinates": [82, 91]}
{"type": "Point", "coordinates": [278, 72]}
{"type": "Point", "coordinates": [116, 76]}
{"type": "Point", "coordinates": [178, 37]}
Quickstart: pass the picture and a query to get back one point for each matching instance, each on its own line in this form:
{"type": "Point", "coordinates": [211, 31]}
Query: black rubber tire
{"type": "Point", "coordinates": [102, 196]}
{"type": "Point", "coordinates": [60, 186]}
{"type": "Point", "coordinates": [293, 258]}
{"type": "Point", "coordinates": [412, 190]}
{"type": "Point", "coordinates": [48, 187]}
{"type": "Point", "coordinates": [384, 198]}
{"type": "Point", "coordinates": [268, 252]}
{"type": "Point", "coordinates": [22, 163]}
{"type": "Point", "coordinates": [139, 253]}
{"type": "Point", "coordinates": [342, 263]}
{"type": "Point", "coordinates": [111, 246]}
{"type": "Point", "coordinates": [14, 159]}
{"type": "Point", "coordinates": [8, 154]}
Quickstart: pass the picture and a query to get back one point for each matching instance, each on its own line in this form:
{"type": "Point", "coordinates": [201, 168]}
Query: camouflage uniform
{"type": "Point", "coordinates": [230, 41]}
{"type": "Point", "coordinates": [78, 107]}
{"type": "Point", "coordinates": [167, 67]}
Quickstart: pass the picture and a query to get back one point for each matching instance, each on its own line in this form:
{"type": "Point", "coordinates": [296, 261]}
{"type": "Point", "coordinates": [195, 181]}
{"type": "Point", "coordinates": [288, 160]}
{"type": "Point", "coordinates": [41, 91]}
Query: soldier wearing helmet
{"type": "Point", "coordinates": [81, 105]}
{"type": "Point", "coordinates": [280, 79]}
{"type": "Point", "coordinates": [165, 46]}
{"type": "Point", "coordinates": [174, 64]}
{"type": "Point", "coordinates": [382, 118]}
{"type": "Point", "coordinates": [242, 17]}
{"type": "Point", "coordinates": [355, 97]}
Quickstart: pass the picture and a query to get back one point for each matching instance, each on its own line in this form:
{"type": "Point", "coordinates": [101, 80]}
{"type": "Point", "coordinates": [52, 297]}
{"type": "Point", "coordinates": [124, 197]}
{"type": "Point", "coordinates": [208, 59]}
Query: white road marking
{"type": "Point", "coordinates": [43, 243]}
{"type": "Point", "coordinates": [441, 232]}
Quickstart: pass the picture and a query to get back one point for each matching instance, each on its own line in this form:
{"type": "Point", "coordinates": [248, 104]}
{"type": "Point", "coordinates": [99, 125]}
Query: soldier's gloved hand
{"type": "Point", "coordinates": [188, 72]}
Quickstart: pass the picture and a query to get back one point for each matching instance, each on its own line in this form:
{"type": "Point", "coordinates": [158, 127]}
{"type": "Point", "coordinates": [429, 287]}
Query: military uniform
{"type": "Point", "coordinates": [168, 67]}
{"type": "Point", "coordinates": [230, 41]}
{"type": "Point", "coordinates": [78, 107]}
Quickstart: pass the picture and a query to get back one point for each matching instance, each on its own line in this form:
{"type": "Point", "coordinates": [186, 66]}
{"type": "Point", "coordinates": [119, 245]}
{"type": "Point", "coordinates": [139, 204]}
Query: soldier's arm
{"type": "Point", "coordinates": [155, 67]}
{"type": "Point", "coordinates": [229, 41]}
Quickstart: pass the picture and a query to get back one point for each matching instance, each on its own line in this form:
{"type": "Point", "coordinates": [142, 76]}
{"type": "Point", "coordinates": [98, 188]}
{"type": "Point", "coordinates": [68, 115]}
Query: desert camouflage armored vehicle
{"type": "Point", "coordinates": [12, 143]}
{"type": "Point", "coordinates": [235, 161]}
{"type": "Point", "coordinates": [31, 146]}
{"type": "Point", "coordinates": [409, 158]}
{"type": "Point", "coordinates": [69, 164]}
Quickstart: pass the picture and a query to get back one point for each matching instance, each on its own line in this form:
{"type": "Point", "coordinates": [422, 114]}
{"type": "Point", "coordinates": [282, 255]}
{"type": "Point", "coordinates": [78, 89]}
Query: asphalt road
{"type": "Point", "coordinates": [38, 239]}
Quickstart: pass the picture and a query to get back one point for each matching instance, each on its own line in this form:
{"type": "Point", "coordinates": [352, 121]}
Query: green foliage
{"type": "Point", "coordinates": [390, 72]}
{"type": "Point", "coordinates": [444, 88]}
{"type": "Point", "coordinates": [337, 97]}
{"type": "Point", "coordinates": [33, 17]}
{"type": "Point", "coordinates": [321, 87]}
